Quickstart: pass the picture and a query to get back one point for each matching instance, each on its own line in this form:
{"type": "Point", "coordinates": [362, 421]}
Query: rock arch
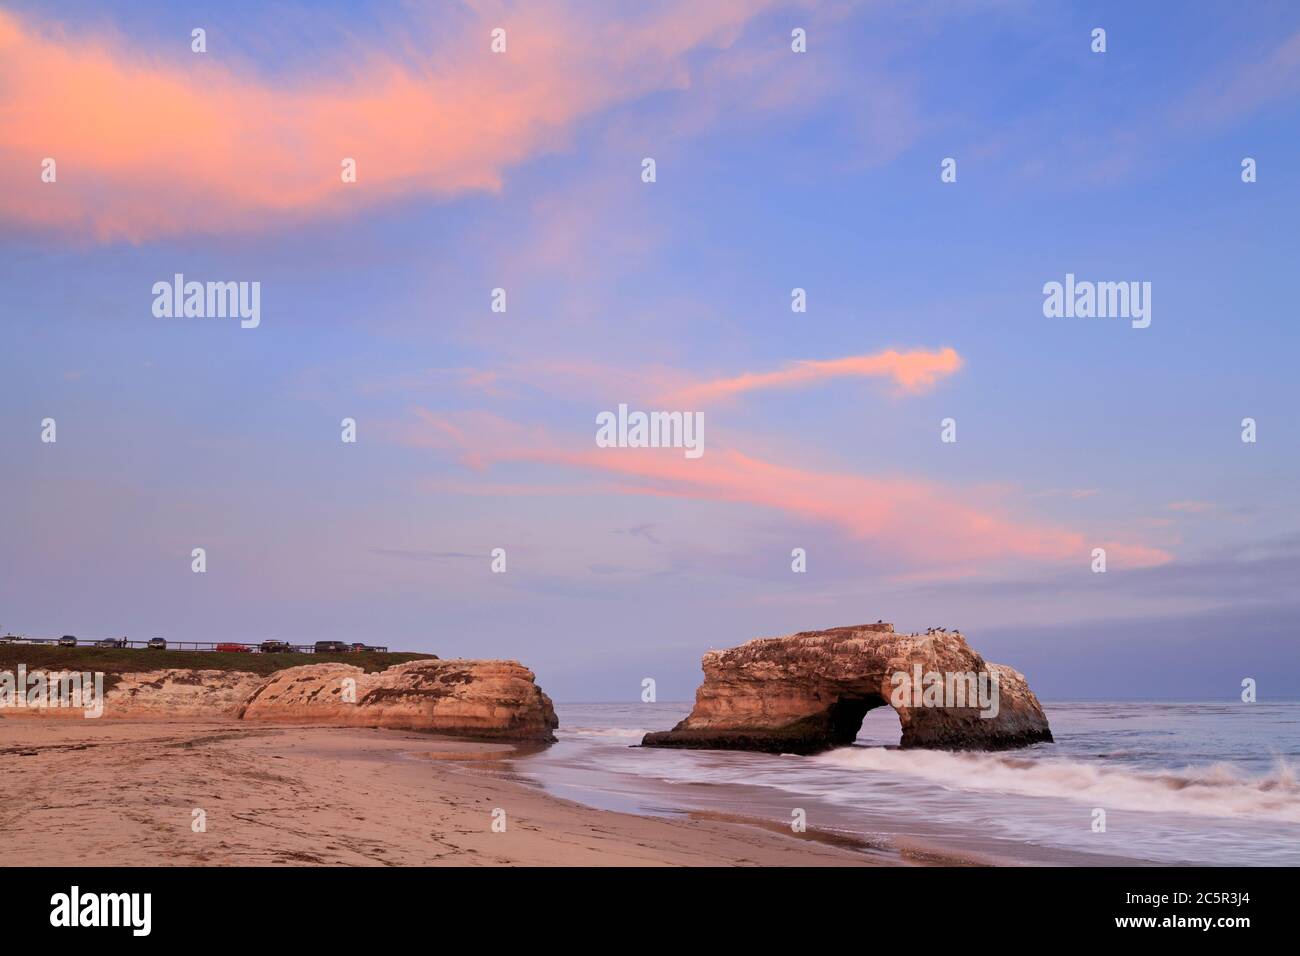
{"type": "Point", "coordinates": [810, 691]}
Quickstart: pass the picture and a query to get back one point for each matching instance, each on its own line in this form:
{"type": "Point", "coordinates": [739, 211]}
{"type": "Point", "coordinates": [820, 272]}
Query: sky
{"type": "Point", "coordinates": [775, 170]}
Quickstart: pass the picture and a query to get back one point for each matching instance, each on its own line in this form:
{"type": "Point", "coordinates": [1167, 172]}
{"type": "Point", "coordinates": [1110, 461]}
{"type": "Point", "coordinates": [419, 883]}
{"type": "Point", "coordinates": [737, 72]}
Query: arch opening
{"type": "Point", "coordinates": [879, 727]}
{"type": "Point", "coordinates": [845, 718]}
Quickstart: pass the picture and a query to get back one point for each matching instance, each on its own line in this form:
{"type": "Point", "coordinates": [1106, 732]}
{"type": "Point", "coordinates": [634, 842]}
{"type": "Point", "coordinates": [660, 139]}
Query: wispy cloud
{"type": "Point", "coordinates": [912, 371]}
{"type": "Point", "coordinates": [148, 148]}
{"type": "Point", "coordinates": [931, 527]}
{"type": "Point", "coordinates": [407, 554]}
{"type": "Point", "coordinates": [1236, 90]}
{"type": "Point", "coordinates": [645, 531]}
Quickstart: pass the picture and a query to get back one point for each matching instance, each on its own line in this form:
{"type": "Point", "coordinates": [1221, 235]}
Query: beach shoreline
{"type": "Point", "coordinates": [221, 793]}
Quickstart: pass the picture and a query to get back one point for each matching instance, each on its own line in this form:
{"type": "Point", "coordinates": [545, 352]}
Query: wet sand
{"type": "Point", "coordinates": [124, 793]}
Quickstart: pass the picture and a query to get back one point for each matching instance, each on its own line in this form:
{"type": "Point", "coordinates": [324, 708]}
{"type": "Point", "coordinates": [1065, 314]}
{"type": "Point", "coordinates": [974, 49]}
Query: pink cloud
{"type": "Point", "coordinates": [924, 523]}
{"type": "Point", "coordinates": [913, 371]}
{"type": "Point", "coordinates": [149, 148]}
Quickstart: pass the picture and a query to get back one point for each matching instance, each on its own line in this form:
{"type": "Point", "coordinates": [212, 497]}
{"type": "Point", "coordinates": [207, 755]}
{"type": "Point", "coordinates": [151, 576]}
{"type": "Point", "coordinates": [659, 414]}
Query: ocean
{"type": "Point", "coordinates": [1179, 782]}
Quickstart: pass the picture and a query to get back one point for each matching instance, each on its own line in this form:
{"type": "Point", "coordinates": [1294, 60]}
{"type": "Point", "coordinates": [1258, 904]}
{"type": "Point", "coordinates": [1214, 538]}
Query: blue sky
{"type": "Point", "coordinates": [775, 170]}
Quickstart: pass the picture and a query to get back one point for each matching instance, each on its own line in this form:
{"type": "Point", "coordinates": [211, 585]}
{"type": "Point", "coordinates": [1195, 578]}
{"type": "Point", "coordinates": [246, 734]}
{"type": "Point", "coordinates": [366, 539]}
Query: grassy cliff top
{"type": "Point", "coordinates": [128, 660]}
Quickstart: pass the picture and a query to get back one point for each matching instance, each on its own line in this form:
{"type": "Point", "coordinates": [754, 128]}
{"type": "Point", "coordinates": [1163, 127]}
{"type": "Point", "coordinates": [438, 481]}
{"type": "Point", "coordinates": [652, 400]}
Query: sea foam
{"type": "Point", "coordinates": [1214, 790]}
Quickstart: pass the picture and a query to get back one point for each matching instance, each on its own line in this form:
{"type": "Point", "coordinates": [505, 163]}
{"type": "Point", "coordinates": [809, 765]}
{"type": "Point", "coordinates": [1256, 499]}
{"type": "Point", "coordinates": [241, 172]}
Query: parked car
{"type": "Point", "coordinates": [13, 639]}
{"type": "Point", "coordinates": [111, 642]}
{"type": "Point", "coordinates": [275, 647]}
{"type": "Point", "coordinates": [331, 647]}
{"type": "Point", "coordinates": [157, 644]}
{"type": "Point", "coordinates": [235, 648]}
{"type": "Point", "coordinates": [67, 640]}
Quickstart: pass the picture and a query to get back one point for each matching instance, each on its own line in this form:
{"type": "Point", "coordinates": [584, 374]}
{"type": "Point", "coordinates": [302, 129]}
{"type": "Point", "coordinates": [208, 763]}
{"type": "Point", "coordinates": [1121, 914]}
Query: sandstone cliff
{"type": "Point", "coordinates": [810, 691]}
{"type": "Point", "coordinates": [471, 698]}
{"type": "Point", "coordinates": [180, 693]}
{"type": "Point", "coordinates": [498, 699]}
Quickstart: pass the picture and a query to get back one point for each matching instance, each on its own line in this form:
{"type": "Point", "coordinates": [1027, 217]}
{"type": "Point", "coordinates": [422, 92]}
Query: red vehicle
{"type": "Point", "coordinates": [235, 648]}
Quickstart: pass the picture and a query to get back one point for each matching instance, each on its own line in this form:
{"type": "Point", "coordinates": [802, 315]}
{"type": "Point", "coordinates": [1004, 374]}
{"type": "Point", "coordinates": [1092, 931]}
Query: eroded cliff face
{"type": "Point", "coordinates": [809, 691]}
{"type": "Point", "coordinates": [471, 698]}
{"type": "Point", "coordinates": [157, 694]}
{"type": "Point", "coordinates": [180, 693]}
{"type": "Point", "coordinates": [498, 699]}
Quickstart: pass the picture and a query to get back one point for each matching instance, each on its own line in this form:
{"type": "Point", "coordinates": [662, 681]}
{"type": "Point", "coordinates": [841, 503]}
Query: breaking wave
{"type": "Point", "coordinates": [630, 734]}
{"type": "Point", "coordinates": [1215, 790]}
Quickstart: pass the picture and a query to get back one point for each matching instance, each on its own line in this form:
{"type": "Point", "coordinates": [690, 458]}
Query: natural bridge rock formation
{"type": "Point", "coordinates": [809, 691]}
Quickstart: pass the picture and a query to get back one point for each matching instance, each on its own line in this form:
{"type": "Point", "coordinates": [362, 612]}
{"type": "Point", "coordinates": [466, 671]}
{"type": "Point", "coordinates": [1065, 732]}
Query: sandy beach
{"type": "Point", "coordinates": [124, 793]}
